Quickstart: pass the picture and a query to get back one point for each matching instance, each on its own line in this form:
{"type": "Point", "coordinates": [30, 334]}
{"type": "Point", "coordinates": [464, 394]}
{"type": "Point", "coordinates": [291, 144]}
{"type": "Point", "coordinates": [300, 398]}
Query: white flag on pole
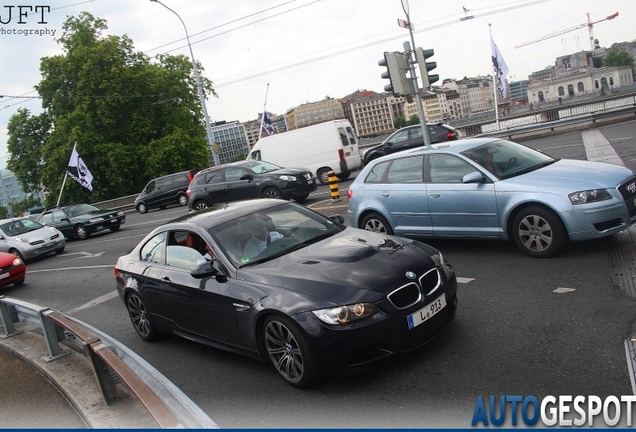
{"type": "Point", "coordinates": [78, 171]}
{"type": "Point", "coordinates": [500, 67]}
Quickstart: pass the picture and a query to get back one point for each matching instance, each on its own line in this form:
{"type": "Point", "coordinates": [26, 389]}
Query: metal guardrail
{"type": "Point", "coordinates": [166, 404]}
{"type": "Point", "coordinates": [121, 203]}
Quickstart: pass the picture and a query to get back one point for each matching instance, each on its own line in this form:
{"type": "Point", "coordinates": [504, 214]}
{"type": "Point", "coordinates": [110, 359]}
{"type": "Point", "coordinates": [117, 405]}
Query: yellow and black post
{"type": "Point", "coordinates": [333, 186]}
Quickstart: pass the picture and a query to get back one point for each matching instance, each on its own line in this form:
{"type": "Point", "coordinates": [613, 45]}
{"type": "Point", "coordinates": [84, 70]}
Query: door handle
{"type": "Point", "coordinates": [167, 280]}
{"type": "Point", "coordinates": [435, 194]}
{"type": "Point", "coordinates": [384, 194]}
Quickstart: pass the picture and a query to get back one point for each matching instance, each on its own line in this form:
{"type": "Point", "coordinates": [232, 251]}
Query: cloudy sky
{"type": "Point", "coordinates": [307, 49]}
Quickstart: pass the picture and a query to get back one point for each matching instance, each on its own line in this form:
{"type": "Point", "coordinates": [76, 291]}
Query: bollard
{"type": "Point", "coordinates": [333, 186]}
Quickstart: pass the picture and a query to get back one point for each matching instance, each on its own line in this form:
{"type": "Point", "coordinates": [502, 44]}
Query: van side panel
{"type": "Point", "coordinates": [312, 147]}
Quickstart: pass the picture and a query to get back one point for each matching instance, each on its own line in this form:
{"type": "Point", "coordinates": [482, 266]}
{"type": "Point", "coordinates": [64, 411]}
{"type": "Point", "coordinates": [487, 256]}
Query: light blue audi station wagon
{"type": "Point", "coordinates": [489, 188]}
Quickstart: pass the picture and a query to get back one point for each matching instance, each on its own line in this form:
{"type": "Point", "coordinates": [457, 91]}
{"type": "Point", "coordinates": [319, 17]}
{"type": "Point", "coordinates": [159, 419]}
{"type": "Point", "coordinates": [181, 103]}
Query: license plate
{"type": "Point", "coordinates": [113, 220]}
{"type": "Point", "coordinates": [348, 154]}
{"type": "Point", "coordinates": [4, 275]}
{"type": "Point", "coordinates": [426, 312]}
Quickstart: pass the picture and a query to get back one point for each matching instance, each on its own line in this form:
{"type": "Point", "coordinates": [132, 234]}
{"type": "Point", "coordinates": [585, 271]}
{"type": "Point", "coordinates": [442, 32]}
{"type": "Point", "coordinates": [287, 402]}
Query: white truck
{"type": "Point", "coordinates": [330, 146]}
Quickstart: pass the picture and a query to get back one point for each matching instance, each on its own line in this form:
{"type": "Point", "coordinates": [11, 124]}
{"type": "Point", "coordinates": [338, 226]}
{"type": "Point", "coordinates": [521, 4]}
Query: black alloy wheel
{"type": "Point", "coordinates": [377, 223]}
{"type": "Point", "coordinates": [140, 318]}
{"type": "Point", "coordinates": [271, 192]}
{"type": "Point", "coordinates": [289, 352]}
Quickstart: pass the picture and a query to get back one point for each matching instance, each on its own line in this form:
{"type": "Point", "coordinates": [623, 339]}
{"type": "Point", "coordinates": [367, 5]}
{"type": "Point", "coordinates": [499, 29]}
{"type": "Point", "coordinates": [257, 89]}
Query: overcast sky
{"type": "Point", "coordinates": [307, 49]}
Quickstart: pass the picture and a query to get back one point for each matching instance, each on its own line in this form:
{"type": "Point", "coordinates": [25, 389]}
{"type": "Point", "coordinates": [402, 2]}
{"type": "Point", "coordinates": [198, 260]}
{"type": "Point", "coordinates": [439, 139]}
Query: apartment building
{"type": "Point", "coordinates": [369, 113]}
{"type": "Point", "coordinates": [231, 139]}
{"type": "Point", "coordinates": [313, 113]}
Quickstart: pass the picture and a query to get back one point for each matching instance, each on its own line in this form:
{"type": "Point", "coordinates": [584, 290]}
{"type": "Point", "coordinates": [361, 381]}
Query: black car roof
{"type": "Point", "coordinates": [220, 213]}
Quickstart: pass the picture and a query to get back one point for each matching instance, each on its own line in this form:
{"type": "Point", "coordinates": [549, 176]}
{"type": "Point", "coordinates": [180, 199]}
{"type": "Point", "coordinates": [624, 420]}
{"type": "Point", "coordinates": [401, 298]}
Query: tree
{"type": "Point", "coordinates": [132, 119]}
{"type": "Point", "coordinates": [414, 120]}
{"type": "Point", "coordinates": [618, 58]}
{"type": "Point", "coordinates": [27, 135]}
{"type": "Point", "coordinates": [399, 122]}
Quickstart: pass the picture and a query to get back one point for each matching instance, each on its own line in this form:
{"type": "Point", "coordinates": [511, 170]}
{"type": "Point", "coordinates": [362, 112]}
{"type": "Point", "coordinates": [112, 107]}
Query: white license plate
{"type": "Point", "coordinates": [4, 275]}
{"type": "Point", "coordinates": [426, 312]}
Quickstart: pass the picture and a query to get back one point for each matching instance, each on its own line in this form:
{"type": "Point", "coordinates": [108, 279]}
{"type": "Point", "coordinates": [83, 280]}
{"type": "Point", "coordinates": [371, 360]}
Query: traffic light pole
{"type": "Point", "coordinates": [412, 62]}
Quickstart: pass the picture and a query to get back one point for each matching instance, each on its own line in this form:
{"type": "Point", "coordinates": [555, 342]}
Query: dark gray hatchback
{"type": "Point", "coordinates": [248, 180]}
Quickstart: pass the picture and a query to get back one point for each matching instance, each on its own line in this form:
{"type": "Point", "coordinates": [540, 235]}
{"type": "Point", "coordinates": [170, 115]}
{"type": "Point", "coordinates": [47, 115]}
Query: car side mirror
{"type": "Point", "coordinates": [337, 218]}
{"type": "Point", "coordinates": [473, 177]}
{"type": "Point", "coordinates": [208, 269]}
{"type": "Point", "coordinates": [249, 177]}
{"type": "Point", "coordinates": [65, 220]}
{"type": "Point", "coordinates": [389, 144]}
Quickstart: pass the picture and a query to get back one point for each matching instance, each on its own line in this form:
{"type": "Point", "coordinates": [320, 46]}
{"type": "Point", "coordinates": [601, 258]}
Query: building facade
{"type": "Point", "coordinates": [231, 140]}
{"type": "Point", "coordinates": [580, 82]}
{"type": "Point", "coordinates": [369, 113]}
{"type": "Point", "coordinates": [314, 113]}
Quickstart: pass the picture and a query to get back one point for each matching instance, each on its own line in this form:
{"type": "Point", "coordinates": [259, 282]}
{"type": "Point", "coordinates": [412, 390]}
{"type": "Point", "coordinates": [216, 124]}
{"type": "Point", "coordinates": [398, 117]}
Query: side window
{"type": "Point", "coordinates": [47, 218]}
{"type": "Point", "coordinates": [214, 176]}
{"type": "Point", "coordinates": [153, 250]}
{"type": "Point", "coordinates": [183, 257]}
{"type": "Point", "coordinates": [400, 136]}
{"type": "Point", "coordinates": [376, 173]}
{"type": "Point", "coordinates": [58, 215]}
{"type": "Point", "coordinates": [233, 174]}
{"type": "Point", "coordinates": [255, 155]}
{"type": "Point", "coordinates": [343, 136]}
{"type": "Point", "coordinates": [416, 133]}
{"type": "Point", "coordinates": [151, 186]}
{"type": "Point", "coordinates": [448, 168]}
{"type": "Point", "coordinates": [433, 131]}
{"type": "Point", "coordinates": [352, 136]}
{"type": "Point", "coordinates": [405, 170]}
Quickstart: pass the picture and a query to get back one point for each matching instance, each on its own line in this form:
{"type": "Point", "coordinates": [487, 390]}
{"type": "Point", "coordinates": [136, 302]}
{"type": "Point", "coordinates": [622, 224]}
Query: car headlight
{"type": "Point", "coordinates": [23, 239]}
{"type": "Point", "coordinates": [17, 262]}
{"type": "Point", "coordinates": [97, 219]}
{"type": "Point", "coordinates": [588, 196]}
{"type": "Point", "coordinates": [346, 314]}
{"type": "Point", "coordinates": [287, 178]}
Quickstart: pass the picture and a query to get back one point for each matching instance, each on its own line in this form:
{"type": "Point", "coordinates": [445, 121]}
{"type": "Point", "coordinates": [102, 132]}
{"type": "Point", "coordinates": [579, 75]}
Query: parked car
{"type": "Point", "coordinates": [12, 270]}
{"type": "Point", "coordinates": [489, 188]}
{"type": "Point", "coordinates": [82, 220]}
{"type": "Point", "coordinates": [28, 239]}
{"type": "Point", "coordinates": [162, 191]}
{"type": "Point", "coordinates": [410, 137]}
{"type": "Point", "coordinates": [247, 180]}
{"type": "Point", "coordinates": [323, 299]}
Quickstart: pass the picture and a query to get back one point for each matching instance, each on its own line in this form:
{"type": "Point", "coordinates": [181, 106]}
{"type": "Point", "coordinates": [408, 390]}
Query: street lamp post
{"type": "Point", "coordinates": [208, 128]}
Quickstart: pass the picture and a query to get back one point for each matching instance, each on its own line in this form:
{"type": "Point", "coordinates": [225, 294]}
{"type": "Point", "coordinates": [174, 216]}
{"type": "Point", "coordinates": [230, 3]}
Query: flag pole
{"type": "Point", "coordinates": [494, 84]}
{"type": "Point", "coordinates": [260, 131]}
{"type": "Point", "coordinates": [64, 181]}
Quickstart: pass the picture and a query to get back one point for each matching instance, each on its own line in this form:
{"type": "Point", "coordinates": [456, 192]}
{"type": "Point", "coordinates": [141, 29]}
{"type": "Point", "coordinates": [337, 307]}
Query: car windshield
{"type": "Point", "coordinates": [271, 233]}
{"type": "Point", "coordinates": [79, 209]}
{"type": "Point", "coordinates": [260, 167]}
{"type": "Point", "coordinates": [507, 159]}
{"type": "Point", "coordinates": [21, 226]}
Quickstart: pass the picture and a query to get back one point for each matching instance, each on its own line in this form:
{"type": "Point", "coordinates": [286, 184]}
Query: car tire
{"type": "Point", "coordinates": [538, 232]}
{"type": "Point", "coordinates": [377, 223]}
{"type": "Point", "coordinates": [271, 192]}
{"type": "Point", "coordinates": [81, 232]}
{"type": "Point", "coordinates": [289, 352]}
{"type": "Point", "coordinates": [60, 250]}
{"type": "Point", "coordinates": [323, 175]}
{"type": "Point", "coordinates": [115, 228]}
{"type": "Point", "coordinates": [16, 253]}
{"type": "Point", "coordinates": [140, 318]}
{"type": "Point", "coordinates": [200, 205]}
{"type": "Point", "coordinates": [343, 176]}
{"type": "Point", "coordinates": [183, 200]}
{"type": "Point", "coordinates": [142, 208]}
{"type": "Point", "coordinates": [18, 282]}
{"type": "Point", "coordinates": [301, 198]}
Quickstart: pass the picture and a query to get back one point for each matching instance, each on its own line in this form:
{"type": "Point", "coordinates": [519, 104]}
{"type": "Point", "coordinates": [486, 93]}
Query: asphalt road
{"type": "Point", "coordinates": [524, 326]}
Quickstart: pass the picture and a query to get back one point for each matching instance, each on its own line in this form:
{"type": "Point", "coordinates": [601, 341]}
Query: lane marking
{"type": "Point", "coordinates": [96, 301]}
{"type": "Point", "coordinates": [464, 280]}
{"type": "Point", "coordinates": [73, 268]}
{"type": "Point", "coordinates": [598, 148]}
{"type": "Point", "coordinates": [562, 290]}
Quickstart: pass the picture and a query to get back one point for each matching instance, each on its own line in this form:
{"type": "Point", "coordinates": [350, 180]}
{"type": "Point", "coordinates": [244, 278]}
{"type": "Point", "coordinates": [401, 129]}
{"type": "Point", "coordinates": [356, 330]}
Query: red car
{"type": "Point", "coordinates": [12, 270]}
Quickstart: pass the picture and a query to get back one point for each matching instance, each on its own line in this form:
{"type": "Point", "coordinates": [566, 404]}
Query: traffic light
{"type": "Point", "coordinates": [397, 64]}
{"type": "Point", "coordinates": [425, 67]}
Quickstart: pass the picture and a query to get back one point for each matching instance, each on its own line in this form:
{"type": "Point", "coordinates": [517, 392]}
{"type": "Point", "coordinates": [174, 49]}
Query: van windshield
{"type": "Point", "coordinates": [261, 167]}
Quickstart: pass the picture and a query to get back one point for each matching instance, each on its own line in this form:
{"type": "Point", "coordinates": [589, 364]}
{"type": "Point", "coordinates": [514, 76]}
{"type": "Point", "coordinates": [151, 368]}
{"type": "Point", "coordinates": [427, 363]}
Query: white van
{"type": "Point", "coordinates": [329, 146]}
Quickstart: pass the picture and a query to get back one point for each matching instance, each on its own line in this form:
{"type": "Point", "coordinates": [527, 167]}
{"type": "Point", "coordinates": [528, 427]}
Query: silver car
{"type": "Point", "coordinates": [492, 188]}
{"type": "Point", "coordinates": [28, 239]}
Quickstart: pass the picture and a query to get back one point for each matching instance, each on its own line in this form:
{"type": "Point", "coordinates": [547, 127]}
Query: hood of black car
{"type": "Point", "coordinates": [352, 266]}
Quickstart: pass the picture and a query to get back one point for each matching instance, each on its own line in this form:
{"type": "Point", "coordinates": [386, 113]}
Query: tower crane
{"type": "Point", "coordinates": [589, 25]}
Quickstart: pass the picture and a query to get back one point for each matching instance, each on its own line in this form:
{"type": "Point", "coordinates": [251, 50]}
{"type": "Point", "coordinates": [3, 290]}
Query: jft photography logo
{"type": "Point", "coordinates": [25, 20]}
